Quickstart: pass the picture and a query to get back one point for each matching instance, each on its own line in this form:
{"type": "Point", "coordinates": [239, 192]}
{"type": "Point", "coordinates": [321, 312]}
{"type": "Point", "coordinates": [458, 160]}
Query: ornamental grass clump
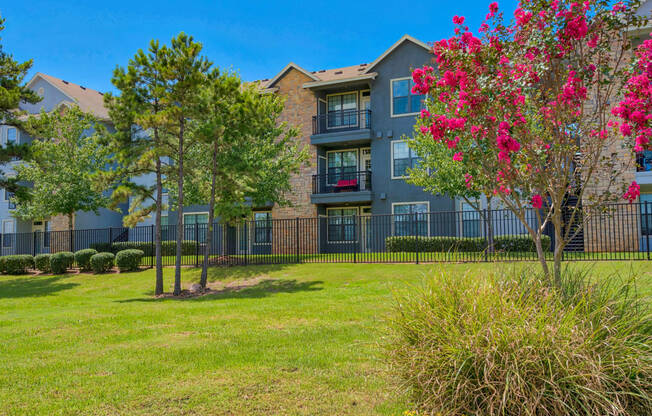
{"type": "Point", "coordinates": [512, 345]}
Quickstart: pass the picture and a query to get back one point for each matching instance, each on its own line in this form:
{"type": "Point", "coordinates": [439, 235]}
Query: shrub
{"type": "Point", "coordinates": [496, 345]}
{"type": "Point", "coordinates": [102, 262]}
{"type": "Point", "coordinates": [83, 258]}
{"type": "Point", "coordinates": [168, 248]}
{"type": "Point", "coordinates": [60, 262]}
{"type": "Point", "coordinates": [42, 262]}
{"type": "Point", "coordinates": [17, 264]}
{"type": "Point", "coordinates": [128, 260]}
{"type": "Point", "coordinates": [506, 243]}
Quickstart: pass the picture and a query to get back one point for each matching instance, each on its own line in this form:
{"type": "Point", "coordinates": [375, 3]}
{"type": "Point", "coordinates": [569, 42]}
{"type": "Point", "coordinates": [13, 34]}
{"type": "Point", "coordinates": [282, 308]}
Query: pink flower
{"type": "Point", "coordinates": [633, 192]}
{"type": "Point", "coordinates": [457, 156]}
{"type": "Point", "coordinates": [537, 201]}
{"type": "Point", "coordinates": [458, 20]}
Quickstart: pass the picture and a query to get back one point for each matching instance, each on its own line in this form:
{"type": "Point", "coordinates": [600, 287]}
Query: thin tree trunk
{"type": "Point", "coordinates": [211, 218]}
{"type": "Point", "coordinates": [157, 226]}
{"type": "Point", "coordinates": [180, 230]}
{"type": "Point", "coordinates": [71, 233]}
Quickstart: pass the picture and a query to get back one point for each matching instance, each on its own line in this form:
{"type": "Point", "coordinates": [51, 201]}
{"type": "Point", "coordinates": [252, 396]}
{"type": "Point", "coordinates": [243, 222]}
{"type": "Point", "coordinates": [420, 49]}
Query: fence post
{"type": "Point", "coordinates": [296, 243]}
{"type": "Point", "coordinates": [647, 229]}
{"type": "Point", "coordinates": [246, 240]}
{"type": "Point", "coordinates": [196, 244]}
{"type": "Point", "coordinates": [72, 243]}
{"type": "Point", "coordinates": [416, 237]}
{"type": "Point", "coordinates": [153, 246]}
{"type": "Point", "coordinates": [356, 237]}
{"type": "Point", "coordinates": [485, 218]}
{"type": "Point", "coordinates": [33, 243]}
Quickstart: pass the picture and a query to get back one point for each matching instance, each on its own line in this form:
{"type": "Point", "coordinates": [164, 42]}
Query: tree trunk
{"type": "Point", "coordinates": [211, 219]}
{"type": "Point", "coordinates": [71, 233]}
{"type": "Point", "coordinates": [541, 255]}
{"type": "Point", "coordinates": [157, 226]}
{"type": "Point", "coordinates": [180, 230]}
{"type": "Point", "coordinates": [559, 251]}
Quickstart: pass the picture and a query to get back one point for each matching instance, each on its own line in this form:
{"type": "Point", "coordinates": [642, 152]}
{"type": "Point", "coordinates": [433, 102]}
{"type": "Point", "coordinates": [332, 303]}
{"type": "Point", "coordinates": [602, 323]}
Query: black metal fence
{"type": "Point", "coordinates": [618, 232]}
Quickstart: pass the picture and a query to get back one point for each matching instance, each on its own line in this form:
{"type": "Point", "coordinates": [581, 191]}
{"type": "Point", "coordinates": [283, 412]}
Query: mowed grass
{"type": "Point", "coordinates": [303, 340]}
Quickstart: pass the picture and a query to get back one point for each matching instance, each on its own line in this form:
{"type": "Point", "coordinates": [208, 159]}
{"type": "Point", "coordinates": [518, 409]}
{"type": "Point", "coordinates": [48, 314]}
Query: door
{"type": "Point", "coordinates": [365, 229]}
{"type": "Point", "coordinates": [41, 230]}
{"type": "Point", "coordinates": [365, 106]}
{"type": "Point", "coordinates": [365, 166]}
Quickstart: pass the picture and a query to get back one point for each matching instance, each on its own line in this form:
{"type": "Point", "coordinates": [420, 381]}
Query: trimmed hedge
{"type": "Point", "coordinates": [504, 243]}
{"type": "Point", "coordinates": [102, 262]}
{"type": "Point", "coordinates": [83, 258]}
{"type": "Point", "coordinates": [42, 263]}
{"type": "Point", "coordinates": [128, 260]}
{"type": "Point", "coordinates": [17, 264]}
{"type": "Point", "coordinates": [168, 248]}
{"type": "Point", "coordinates": [60, 262]}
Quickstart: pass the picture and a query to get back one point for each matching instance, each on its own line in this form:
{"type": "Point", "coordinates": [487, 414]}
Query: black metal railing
{"type": "Point", "coordinates": [341, 120]}
{"type": "Point", "coordinates": [341, 180]}
{"type": "Point", "coordinates": [618, 232]}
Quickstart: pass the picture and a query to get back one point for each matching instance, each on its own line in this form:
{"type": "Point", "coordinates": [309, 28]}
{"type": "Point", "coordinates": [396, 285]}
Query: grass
{"type": "Point", "coordinates": [303, 340]}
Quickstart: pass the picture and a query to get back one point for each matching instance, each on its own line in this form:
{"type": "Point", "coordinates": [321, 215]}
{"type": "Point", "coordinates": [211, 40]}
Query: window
{"type": "Point", "coordinates": [166, 233]}
{"type": "Point", "coordinates": [192, 220]}
{"type": "Point", "coordinates": [164, 220]}
{"type": "Point", "coordinates": [411, 219]}
{"type": "Point", "coordinates": [646, 223]}
{"type": "Point", "coordinates": [342, 165]}
{"type": "Point", "coordinates": [262, 227]}
{"type": "Point", "coordinates": [46, 233]}
{"type": "Point", "coordinates": [404, 101]}
{"type": "Point", "coordinates": [470, 221]}
{"type": "Point", "coordinates": [644, 161]}
{"type": "Point", "coordinates": [12, 135]}
{"type": "Point", "coordinates": [342, 110]}
{"type": "Point", "coordinates": [41, 92]}
{"type": "Point", "coordinates": [402, 158]}
{"type": "Point", "coordinates": [341, 224]}
{"type": "Point", "coordinates": [10, 203]}
{"type": "Point", "coordinates": [7, 233]}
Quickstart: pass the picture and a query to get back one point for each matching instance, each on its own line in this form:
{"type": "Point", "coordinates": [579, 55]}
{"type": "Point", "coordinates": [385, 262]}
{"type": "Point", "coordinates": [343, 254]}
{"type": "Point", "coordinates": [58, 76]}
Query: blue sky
{"type": "Point", "coordinates": [83, 41]}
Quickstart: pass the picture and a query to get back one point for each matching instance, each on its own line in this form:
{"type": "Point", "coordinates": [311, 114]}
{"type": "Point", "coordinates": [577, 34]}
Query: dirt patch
{"type": "Point", "coordinates": [214, 288]}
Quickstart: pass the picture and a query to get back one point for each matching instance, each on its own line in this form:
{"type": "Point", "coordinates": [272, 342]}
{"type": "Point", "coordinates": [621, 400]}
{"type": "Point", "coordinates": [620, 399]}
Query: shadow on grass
{"type": "Point", "coordinates": [33, 286]}
{"type": "Point", "coordinates": [219, 273]}
{"type": "Point", "coordinates": [262, 289]}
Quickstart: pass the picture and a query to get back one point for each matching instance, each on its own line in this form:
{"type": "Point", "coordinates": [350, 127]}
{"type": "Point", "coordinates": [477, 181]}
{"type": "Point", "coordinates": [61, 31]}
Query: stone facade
{"type": "Point", "coordinates": [300, 106]}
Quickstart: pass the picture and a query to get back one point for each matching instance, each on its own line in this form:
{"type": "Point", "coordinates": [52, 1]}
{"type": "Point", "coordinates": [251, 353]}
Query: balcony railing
{"type": "Point", "coordinates": [341, 121]}
{"type": "Point", "coordinates": [340, 180]}
{"type": "Point", "coordinates": [644, 161]}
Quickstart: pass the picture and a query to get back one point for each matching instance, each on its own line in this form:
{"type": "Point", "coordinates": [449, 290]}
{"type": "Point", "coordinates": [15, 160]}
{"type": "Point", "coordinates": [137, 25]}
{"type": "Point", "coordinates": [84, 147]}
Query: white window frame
{"type": "Point", "coordinates": [8, 200]}
{"type": "Point", "coordinates": [357, 106]}
{"type": "Point", "coordinates": [357, 215]}
{"type": "Point", "coordinates": [391, 157]}
{"type": "Point", "coordinates": [6, 138]}
{"type": "Point", "coordinates": [427, 203]}
{"type": "Point", "coordinates": [253, 229]}
{"type": "Point", "coordinates": [391, 98]}
{"type": "Point", "coordinates": [13, 227]}
{"type": "Point", "coordinates": [357, 161]}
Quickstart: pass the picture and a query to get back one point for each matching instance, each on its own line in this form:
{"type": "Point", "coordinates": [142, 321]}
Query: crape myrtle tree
{"type": "Point", "coordinates": [245, 156]}
{"type": "Point", "coordinates": [12, 93]}
{"type": "Point", "coordinates": [66, 154]}
{"type": "Point", "coordinates": [528, 104]}
{"type": "Point", "coordinates": [139, 144]}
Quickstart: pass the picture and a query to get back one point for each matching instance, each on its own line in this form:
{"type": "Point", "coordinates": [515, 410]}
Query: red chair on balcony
{"type": "Point", "coordinates": [346, 185]}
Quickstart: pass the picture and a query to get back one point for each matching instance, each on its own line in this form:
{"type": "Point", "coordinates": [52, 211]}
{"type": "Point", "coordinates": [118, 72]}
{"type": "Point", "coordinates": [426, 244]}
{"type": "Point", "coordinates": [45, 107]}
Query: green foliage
{"type": "Point", "coordinates": [511, 345]}
{"type": "Point", "coordinates": [504, 243]}
{"type": "Point", "coordinates": [168, 248]}
{"type": "Point", "coordinates": [42, 262]}
{"type": "Point", "coordinates": [62, 261]}
{"type": "Point", "coordinates": [129, 260]}
{"type": "Point", "coordinates": [102, 262]}
{"type": "Point", "coordinates": [62, 165]}
{"type": "Point", "coordinates": [83, 258]}
{"type": "Point", "coordinates": [17, 264]}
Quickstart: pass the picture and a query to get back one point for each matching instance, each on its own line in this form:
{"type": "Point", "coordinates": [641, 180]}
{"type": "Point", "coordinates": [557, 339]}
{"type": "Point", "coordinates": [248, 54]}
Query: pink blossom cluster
{"type": "Point", "coordinates": [633, 192]}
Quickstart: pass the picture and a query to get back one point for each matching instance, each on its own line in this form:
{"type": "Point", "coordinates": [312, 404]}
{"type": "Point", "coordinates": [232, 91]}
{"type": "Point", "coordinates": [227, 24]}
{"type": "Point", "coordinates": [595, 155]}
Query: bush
{"type": "Point", "coordinates": [128, 260]}
{"type": "Point", "coordinates": [102, 262]}
{"type": "Point", "coordinates": [83, 258]}
{"type": "Point", "coordinates": [496, 345]}
{"type": "Point", "coordinates": [168, 248]}
{"type": "Point", "coordinates": [42, 262]}
{"type": "Point", "coordinates": [60, 262]}
{"type": "Point", "coordinates": [17, 264]}
{"type": "Point", "coordinates": [505, 243]}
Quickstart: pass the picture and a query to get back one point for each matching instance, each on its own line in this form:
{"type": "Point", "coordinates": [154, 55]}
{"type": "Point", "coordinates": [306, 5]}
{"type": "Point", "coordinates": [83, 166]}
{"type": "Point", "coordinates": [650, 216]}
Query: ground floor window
{"type": "Point", "coordinates": [411, 218]}
{"type": "Point", "coordinates": [646, 219]}
{"type": "Point", "coordinates": [341, 224]}
{"type": "Point", "coordinates": [191, 223]}
{"type": "Point", "coordinates": [471, 224]}
{"type": "Point", "coordinates": [263, 227]}
{"type": "Point", "coordinates": [8, 231]}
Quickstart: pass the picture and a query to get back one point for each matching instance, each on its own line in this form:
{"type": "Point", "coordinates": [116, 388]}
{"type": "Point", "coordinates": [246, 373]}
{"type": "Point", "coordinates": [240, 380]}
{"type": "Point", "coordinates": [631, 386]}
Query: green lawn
{"type": "Point", "coordinates": [304, 339]}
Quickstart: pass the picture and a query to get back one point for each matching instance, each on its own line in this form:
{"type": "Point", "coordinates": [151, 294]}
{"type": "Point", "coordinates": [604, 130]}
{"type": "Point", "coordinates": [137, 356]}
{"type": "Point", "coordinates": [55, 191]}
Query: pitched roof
{"type": "Point", "coordinates": [88, 100]}
{"type": "Point", "coordinates": [345, 73]}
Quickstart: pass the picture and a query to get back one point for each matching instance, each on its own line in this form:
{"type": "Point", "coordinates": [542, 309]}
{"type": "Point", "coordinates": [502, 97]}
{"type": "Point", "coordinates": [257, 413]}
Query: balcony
{"type": "Point", "coordinates": [341, 127]}
{"type": "Point", "coordinates": [340, 185]}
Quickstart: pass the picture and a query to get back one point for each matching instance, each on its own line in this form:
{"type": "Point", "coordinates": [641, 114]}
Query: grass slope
{"type": "Point", "coordinates": [304, 340]}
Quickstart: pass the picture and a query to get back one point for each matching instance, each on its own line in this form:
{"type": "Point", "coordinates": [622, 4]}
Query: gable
{"type": "Point", "coordinates": [52, 96]}
{"type": "Point", "coordinates": [405, 40]}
